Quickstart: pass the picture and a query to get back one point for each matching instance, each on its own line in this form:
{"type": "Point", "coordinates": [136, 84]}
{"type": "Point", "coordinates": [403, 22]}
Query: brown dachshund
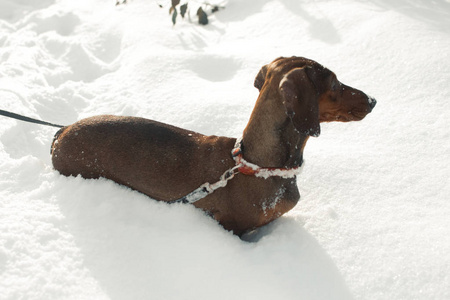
{"type": "Point", "coordinates": [167, 163]}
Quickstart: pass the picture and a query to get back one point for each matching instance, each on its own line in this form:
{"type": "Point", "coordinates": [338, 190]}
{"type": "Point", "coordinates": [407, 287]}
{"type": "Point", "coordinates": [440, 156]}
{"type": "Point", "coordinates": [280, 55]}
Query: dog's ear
{"type": "Point", "coordinates": [260, 78]}
{"type": "Point", "coordinates": [321, 77]}
{"type": "Point", "coordinates": [300, 99]}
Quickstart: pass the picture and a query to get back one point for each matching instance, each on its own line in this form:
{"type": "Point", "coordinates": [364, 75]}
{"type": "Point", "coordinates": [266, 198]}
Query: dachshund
{"type": "Point", "coordinates": [167, 163]}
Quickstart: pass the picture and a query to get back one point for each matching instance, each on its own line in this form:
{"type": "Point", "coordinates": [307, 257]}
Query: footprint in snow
{"type": "Point", "coordinates": [214, 68]}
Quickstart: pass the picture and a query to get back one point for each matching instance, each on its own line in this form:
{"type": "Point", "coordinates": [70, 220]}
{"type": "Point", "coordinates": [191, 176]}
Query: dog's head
{"type": "Point", "coordinates": [312, 94]}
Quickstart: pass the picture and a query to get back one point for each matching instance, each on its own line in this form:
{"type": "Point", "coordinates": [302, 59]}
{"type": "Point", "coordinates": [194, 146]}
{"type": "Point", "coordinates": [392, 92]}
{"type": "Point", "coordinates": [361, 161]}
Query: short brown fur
{"type": "Point", "coordinates": [166, 162]}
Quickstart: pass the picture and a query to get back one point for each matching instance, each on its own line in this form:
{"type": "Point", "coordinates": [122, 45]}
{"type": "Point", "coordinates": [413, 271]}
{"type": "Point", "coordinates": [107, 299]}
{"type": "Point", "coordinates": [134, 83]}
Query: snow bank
{"type": "Point", "coordinates": [373, 220]}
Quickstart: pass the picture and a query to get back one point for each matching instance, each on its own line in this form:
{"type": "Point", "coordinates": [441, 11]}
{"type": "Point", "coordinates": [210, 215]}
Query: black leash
{"type": "Point", "coordinates": [26, 119]}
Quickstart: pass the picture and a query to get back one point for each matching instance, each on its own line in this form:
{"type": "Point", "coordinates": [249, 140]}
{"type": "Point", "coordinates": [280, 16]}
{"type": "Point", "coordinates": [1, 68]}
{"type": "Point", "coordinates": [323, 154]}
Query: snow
{"type": "Point", "coordinates": [373, 221]}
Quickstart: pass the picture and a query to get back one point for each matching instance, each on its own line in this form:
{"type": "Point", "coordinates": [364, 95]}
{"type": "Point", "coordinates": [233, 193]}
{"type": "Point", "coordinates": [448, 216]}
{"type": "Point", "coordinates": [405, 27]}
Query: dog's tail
{"type": "Point", "coordinates": [55, 138]}
{"type": "Point", "coordinates": [27, 119]}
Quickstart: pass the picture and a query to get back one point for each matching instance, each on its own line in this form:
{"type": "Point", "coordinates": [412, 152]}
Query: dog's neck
{"type": "Point", "coordinates": [270, 138]}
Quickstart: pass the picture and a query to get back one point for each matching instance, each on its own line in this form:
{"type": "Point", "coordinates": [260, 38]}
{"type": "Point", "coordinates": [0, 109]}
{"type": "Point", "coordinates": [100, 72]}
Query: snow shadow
{"type": "Point", "coordinates": [293, 247]}
{"type": "Point", "coordinates": [137, 248]}
{"type": "Point", "coordinates": [12, 10]}
{"type": "Point", "coordinates": [435, 13]}
{"type": "Point", "coordinates": [320, 27]}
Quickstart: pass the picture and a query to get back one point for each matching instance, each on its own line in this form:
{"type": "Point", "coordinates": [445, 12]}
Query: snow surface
{"type": "Point", "coordinates": [373, 222]}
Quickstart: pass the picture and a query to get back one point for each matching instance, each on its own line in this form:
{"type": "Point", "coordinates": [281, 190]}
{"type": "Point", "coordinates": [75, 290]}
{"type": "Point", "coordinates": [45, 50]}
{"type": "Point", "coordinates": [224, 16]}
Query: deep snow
{"type": "Point", "coordinates": [373, 222]}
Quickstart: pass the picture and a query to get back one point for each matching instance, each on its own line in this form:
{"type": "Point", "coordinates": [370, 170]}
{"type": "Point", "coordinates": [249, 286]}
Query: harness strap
{"type": "Point", "coordinates": [248, 168]}
{"type": "Point", "coordinates": [207, 188]}
{"type": "Point", "coordinates": [242, 166]}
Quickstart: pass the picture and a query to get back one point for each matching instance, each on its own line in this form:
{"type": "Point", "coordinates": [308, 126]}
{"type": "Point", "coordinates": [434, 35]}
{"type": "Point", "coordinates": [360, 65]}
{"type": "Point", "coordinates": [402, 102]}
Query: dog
{"type": "Point", "coordinates": [167, 163]}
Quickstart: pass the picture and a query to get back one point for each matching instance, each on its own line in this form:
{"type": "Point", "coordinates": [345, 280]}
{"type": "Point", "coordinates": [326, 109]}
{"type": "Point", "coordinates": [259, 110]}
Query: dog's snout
{"type": "Point", "coordinates": [372, 102]}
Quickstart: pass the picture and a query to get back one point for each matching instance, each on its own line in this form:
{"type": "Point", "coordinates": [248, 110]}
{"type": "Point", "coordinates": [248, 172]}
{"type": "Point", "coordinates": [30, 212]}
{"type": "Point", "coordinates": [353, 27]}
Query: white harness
{"type": "Point", "coordinates": [242, 166]}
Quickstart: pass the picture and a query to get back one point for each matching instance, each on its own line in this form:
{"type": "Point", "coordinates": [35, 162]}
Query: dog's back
{"type": "Point", "coordinates": [138, 153]}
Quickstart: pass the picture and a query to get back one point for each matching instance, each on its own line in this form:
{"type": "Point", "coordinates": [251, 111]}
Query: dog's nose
{"type": "Point", "coordinates": [372, 102]}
